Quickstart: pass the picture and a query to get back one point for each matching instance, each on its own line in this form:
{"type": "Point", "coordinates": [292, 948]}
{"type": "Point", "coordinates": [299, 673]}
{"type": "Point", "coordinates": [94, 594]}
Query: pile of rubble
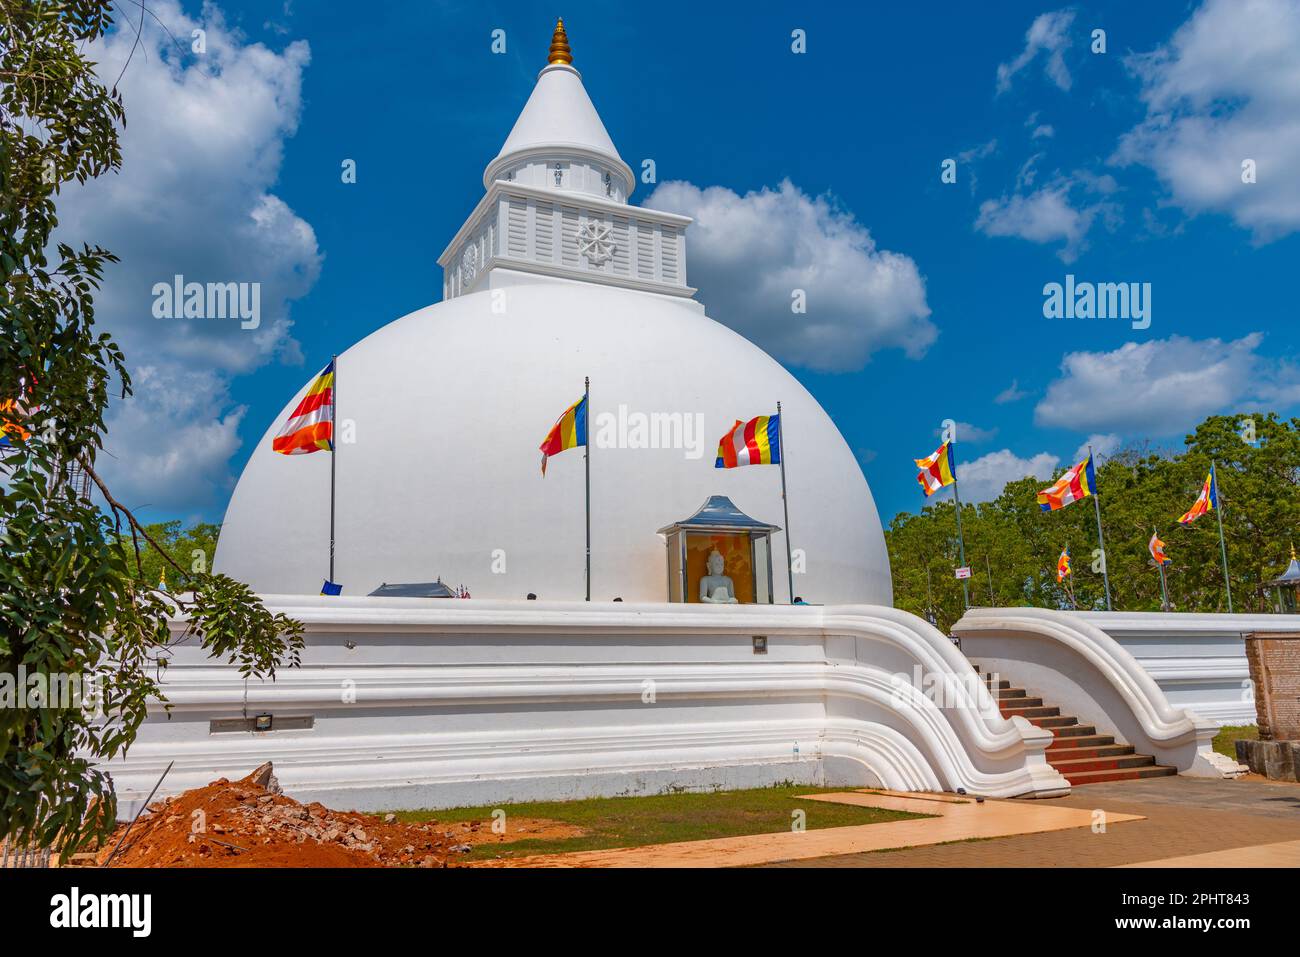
{"type": "Point", "coordinates": [250, 823]}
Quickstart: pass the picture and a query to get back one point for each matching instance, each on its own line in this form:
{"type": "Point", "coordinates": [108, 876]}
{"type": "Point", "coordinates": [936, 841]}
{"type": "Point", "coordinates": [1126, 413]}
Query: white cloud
{"type": "Point", "coordinates": [1049, 35]}
{"type": "Point", "coordinates": [982, 479]}
{"type": "Point", "coordinates": [978, 152]}
{"type": "Point", "coordinates": [1047, 215]}
{"type": "Point", "coordinates": [1103, 445]}
{"type": "Point", "coordinates": [971, 433]}
{"type": "Point", "coordinates": [1163, 386]}
{"type": "Point", "coordinates": [201, 151]}
{"type": "Point", "coordinates": [1012, 393]}
{"type": "Point", "coordinates": [185, 465]}
{"type": "Point", "coordinates": [749, 253]}
{"type": "Point", "coordinates": [1045, 131]}
{"type": "Point", "coordinates": [1224, 89]}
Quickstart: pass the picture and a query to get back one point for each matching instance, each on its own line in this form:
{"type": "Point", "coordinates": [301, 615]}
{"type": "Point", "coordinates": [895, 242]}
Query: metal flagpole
{"type": "Point", "coordinates": [334, 449]}
{"type": "Point", "coordinates": [989, 569]}
{"type": "Point", "coordinates": [780, 441]}
{"type": "Point", "coordinates": [586, 454]}
{"type": "Point", "coordinates": [1164, 592]}
{"type": "Point", "coordinates": [961, 541]}
{"type": "Point", "coordinates": [1096, 501]}
{"type": "Point", "coordinates": [1218, 513]}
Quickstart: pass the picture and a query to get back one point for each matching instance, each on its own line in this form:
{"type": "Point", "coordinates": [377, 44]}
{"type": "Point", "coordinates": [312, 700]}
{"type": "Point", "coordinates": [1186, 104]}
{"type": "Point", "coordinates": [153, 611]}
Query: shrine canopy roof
{"type": "Point", "coordinates": [719, 513]}
{"type": "Point", "coordinates": [1289, 577]}
{"type": "Point", "coordinates": [413, 590]}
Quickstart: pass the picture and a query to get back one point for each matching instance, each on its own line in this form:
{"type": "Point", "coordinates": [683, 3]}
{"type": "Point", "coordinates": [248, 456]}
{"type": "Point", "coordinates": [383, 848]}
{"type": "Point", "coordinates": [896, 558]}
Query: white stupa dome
{"type": "Point", "coordinates": [440, 414]}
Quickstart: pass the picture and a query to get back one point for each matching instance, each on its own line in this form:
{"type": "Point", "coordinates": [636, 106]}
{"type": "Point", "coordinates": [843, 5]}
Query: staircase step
{"type": "Point", "coordinates": [1001, 683]}
{"type": "Point", "coordinates": [1068, 731]}
{"type": "Point", "coordinates": [1103, 764]}
{"type": "Point", "coordinates": [1058, 723]}
{"type": "Point", "coordinates": [1067, 753]}
{"type": "Point", "coordinates": [1120, 774]}
{"type": "Point", "coordinates": [1004, 693]}
{"type": "Point", "coordinates": [1039, 711]}
{"type": "Point", "coordinates": [1023, 702]}
{"type": "Point", "coordinates": [1066, 742]}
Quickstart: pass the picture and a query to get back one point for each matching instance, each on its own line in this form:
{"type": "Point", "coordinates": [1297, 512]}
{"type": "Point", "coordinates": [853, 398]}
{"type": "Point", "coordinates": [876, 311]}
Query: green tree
{"type": "Point", "coordinates": [1141, 490]}
{"type": "Point", "coordinates": [73, 601]}
{"type": "Point", "coordinates": [192, 548]}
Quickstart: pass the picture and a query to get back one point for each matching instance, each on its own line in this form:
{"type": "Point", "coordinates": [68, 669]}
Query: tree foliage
{"type": "Point", "coordinates": [1139, 492]}
{"type": "Point", "coordinates": [74, 598]}
{"type": "Point", "coordinates": [169, 543]}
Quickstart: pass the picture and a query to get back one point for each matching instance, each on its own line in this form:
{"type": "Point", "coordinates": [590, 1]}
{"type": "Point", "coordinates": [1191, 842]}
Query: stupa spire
{"type": "Point", "coordinates": [559, 141]}
{"type": "Point", "coordinates": [560, 52]}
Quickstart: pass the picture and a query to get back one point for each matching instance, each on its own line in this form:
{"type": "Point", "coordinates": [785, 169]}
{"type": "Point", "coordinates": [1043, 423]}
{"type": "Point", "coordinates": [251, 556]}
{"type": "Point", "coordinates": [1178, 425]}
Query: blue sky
{"type": "Point", "coordinates": [1122, 166]}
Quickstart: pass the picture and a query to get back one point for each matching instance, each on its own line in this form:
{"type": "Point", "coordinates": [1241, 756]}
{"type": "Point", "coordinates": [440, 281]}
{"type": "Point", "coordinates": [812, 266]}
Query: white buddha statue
{"type": "Point", "coordinates": [715, 587]}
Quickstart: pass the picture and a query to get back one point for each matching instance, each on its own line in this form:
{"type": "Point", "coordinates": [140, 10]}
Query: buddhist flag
{"type": "Point", "coordinates": [569, 431]}
{"type": "Point", "coordinates": [756, 442]}
{"type": "Point", "coordinates": [1077, 483]}
{"type": "Point", "coordinates": [10, 426]}
{"type": "Point", "coordinates": [1063, 565]}
{"type": "Point", "coordinates": [1157, 549]}
{"type": "Point", "coordinates": [936, 469]}
{"type": "Point", "coordinates": [1208, 499]}
{"type": "Point", "coordinates": [310, 427]}
{"type": "Point", "coordinates": [12, 412]}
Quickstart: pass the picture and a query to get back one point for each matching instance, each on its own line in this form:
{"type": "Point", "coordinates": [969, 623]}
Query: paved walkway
{"type": "Point", "coordinates": [1183, 817]}
{"type": "Point", "coordinates": [1285, 854]}
{"type": "Point", "coordinates": [953, 819]}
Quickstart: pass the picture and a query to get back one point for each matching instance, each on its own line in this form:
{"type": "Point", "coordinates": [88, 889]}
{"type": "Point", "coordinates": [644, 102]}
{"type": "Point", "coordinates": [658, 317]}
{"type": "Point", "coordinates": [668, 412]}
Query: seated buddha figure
{"type": "Point", "coordinates": [715, 587]}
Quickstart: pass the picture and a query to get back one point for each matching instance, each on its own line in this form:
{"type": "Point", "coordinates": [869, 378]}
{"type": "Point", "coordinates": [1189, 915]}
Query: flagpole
{"type": "Point", "coordinates": [334, 450]}
{"type": "Point", "coordinates": [961, 541]}
{"type": "Point", "coordinates": [1218, 513]}
{"type": "Point", "coordinates": [785, 504]}
{"type": "Point", "coordinates": [1096, 501]}
{"type": "Point", "coordinates": [586, 455]}
{"type": "Point", "coordinates": [1164, 592]}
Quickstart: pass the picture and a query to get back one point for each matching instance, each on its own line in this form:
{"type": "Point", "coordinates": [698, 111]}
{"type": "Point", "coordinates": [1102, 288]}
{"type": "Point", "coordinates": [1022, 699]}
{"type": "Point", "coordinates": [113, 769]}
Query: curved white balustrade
{"type": "Point", "coordinates": [1198, 660]}
{"type": "Point", "coordinates": [1071, 661]}
{"type": "Point", "coordinates": [426, 703]}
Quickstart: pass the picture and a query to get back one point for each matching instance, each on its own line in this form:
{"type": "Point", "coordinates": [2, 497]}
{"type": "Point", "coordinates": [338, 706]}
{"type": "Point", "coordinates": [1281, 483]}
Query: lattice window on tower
{"type": "Point", "coordinates": [668, 243]}
{"type": "Point", "coordinates": [622, 261]}
{"type": "Point", "coordinates": [544, 231]}
{"type": "Point", "coordinates": [517, 228]}
{"type": "Point", "coordinates": [645, 251]}
{"type": "Point", "coordinates": [569, 255]}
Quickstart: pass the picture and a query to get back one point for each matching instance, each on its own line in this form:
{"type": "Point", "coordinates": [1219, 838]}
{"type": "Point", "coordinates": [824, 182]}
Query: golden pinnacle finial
{"type": "Point", "coordinates": [560, 52]}
{"type": "Point", "coordinates": [1293, 551]}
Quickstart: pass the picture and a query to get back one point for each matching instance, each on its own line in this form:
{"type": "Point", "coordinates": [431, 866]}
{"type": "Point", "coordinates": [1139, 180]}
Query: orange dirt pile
{"type": "Point", "coordinates": [248, 823]}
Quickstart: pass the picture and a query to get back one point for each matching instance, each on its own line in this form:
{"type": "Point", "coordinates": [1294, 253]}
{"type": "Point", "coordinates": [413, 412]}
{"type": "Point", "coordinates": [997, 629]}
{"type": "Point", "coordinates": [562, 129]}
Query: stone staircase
{"type": "Point", "coordinates": [1079, 753]}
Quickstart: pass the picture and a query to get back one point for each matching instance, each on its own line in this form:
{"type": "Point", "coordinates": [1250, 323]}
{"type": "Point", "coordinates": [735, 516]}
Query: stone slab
{"type": "Point", "coordinates": [1278, 760]}
{"type": "Point", "coordinates": [1273, 658]}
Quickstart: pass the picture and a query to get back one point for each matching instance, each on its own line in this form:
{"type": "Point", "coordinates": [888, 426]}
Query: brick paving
{"type": "Point", "coordinates": [1184, 816]}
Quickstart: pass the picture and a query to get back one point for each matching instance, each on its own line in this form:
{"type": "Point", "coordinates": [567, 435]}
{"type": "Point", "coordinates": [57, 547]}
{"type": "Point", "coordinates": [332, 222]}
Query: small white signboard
{"type": "Point", "coordinates": [963, 572]}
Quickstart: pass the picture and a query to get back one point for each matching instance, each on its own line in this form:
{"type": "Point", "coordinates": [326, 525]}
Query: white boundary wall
{"type": "Point", "coordinates": [437, 703]}
{"type": "Point", "coordinates": [1069, 659]}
